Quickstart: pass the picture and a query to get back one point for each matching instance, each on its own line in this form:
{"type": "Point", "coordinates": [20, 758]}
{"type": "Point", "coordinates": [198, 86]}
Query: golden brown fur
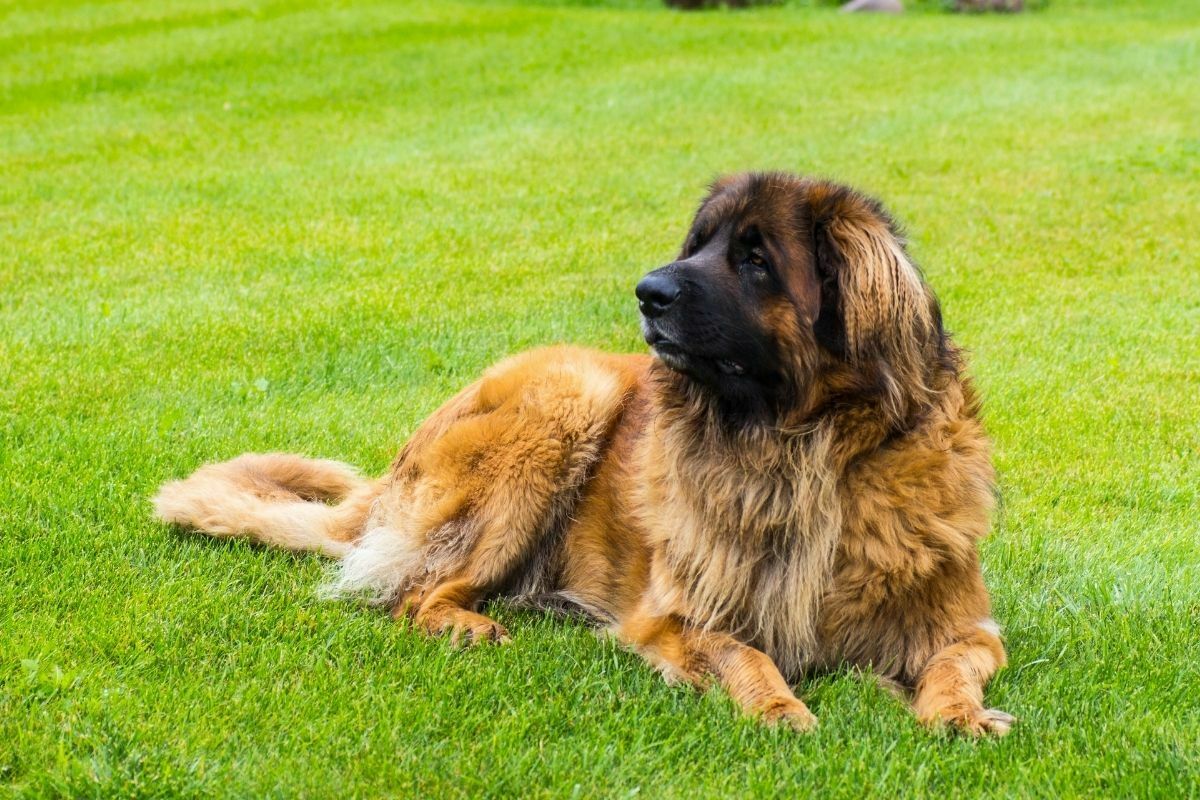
{"type": "Point", "coordinates": [816, 507]}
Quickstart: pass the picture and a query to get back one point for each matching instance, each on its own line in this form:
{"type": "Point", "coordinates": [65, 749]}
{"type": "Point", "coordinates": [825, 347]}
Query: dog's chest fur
{"type": "Point", "coordinates": [749, 550]}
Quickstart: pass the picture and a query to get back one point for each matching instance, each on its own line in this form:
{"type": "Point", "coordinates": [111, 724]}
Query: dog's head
{"type": "Point", "coordinates": [788, 293]}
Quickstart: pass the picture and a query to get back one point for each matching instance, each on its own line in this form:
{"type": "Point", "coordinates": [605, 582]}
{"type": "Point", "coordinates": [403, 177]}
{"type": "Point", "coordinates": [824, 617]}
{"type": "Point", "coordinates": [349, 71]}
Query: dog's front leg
{"type": "Point", "coordinates": [750, 677]}
{"type": "Point", "coordinates": [950, 689]}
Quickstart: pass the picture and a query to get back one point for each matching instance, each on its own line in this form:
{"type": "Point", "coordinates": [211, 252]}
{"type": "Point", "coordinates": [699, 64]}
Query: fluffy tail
{"type": "Point", "coordinates": [277, 499]}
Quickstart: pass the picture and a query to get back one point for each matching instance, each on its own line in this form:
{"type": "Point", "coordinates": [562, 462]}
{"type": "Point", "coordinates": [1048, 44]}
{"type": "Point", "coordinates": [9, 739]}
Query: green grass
{"type": "Point", "coordinates": [229, 225]}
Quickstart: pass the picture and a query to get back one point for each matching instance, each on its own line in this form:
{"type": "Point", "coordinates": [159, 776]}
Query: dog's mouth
{"type": "Point", "coordinates": [681, 360]}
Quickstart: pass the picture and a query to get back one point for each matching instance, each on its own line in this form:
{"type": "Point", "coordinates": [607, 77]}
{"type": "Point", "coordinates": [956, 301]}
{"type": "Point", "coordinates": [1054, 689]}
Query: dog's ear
{"type": "Point", "coordinates": [873, 303]}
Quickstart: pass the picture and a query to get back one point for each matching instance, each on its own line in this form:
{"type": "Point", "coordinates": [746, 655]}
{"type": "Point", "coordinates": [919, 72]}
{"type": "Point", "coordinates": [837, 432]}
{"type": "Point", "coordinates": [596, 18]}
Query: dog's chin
{"type": "Point", "coordinates": [705, 369]}
{"type": "Point", "coordinates": [713, 371]}
{"type": "Point", "coordinates": [673, 358]}
{"type": "Point", "coordinates": [740, 395]}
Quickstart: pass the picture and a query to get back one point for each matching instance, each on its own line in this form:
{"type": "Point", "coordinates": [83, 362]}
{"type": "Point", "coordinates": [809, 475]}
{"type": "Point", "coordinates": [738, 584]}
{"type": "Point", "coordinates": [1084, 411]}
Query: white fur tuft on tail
{"type": "Point", "coordinates": [378, 569]}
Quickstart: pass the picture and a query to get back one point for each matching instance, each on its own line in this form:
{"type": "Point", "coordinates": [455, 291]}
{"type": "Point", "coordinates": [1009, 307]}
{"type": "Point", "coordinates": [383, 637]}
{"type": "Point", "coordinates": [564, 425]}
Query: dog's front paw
{"type": "Point", "coordinates": [790, 712]}
{"type": "Point", "coordinates": [976, 722]}
{"type": "Point", "coordinates": [990, 721]}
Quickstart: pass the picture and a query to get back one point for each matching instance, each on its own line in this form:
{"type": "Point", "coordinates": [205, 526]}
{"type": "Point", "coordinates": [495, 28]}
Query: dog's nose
{"type": "Point", "coordinates": [655, 293]}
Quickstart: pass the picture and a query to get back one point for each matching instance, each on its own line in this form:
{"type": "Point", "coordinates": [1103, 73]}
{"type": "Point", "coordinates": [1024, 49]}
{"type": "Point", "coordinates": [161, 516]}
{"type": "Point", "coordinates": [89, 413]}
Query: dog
{"type": "Point", "coordinates": [793, 480]}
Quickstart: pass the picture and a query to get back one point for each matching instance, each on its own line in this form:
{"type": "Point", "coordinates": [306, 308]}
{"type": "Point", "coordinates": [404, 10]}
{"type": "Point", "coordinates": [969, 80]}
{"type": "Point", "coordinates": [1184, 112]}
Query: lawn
{"type": "Point", "coordinates": [229, 225]}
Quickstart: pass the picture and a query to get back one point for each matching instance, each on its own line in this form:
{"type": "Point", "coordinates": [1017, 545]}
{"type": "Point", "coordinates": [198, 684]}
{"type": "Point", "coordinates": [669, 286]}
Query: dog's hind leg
{"type": "Point", "coordinates": [487, 542]}
{"type": "Point", "coordinates": [491, 491]}
{"type": "Point", "coordinates": [447, 609]}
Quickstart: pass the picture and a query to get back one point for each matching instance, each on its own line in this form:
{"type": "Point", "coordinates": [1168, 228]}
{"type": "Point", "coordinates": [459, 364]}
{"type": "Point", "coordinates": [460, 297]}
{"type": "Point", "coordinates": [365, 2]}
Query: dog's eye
{"type": "Point", "coordinates": [755, 260]}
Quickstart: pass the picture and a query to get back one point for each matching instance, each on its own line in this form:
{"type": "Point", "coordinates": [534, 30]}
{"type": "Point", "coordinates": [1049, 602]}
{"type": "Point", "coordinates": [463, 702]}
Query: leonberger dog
{"type": "Point", "coordinates": [794, 479]}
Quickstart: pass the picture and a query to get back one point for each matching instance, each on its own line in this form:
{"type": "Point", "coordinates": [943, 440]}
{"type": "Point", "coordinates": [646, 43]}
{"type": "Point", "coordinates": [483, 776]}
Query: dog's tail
{"type": "Point", "coordinates": [274, 498]}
